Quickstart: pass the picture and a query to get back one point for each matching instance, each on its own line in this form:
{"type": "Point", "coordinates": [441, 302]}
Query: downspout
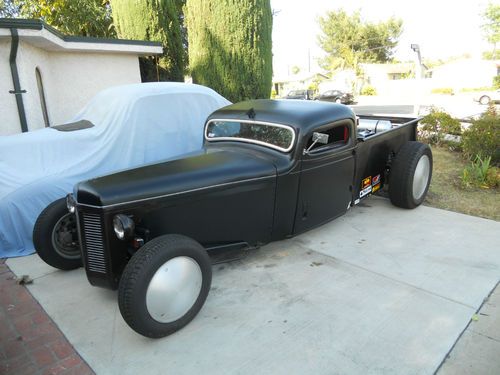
{"type": "Point", "coordinates": [15, 79]}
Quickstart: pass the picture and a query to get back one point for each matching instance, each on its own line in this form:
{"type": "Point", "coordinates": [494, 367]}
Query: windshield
{"type": "Point", "coordinates": [276, 136]}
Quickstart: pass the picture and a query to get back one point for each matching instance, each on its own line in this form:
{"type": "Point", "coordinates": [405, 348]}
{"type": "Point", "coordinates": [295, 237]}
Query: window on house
{"type": "Point", "coordinates": [41, 94]}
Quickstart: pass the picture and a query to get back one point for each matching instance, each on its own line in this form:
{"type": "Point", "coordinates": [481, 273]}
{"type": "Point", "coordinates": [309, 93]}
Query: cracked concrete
{"type": "Point", "coordinates": [478, 349]}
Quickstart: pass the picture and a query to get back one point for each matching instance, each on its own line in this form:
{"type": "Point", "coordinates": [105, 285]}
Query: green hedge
{"type": "Point", "coordinates": [482, 138]}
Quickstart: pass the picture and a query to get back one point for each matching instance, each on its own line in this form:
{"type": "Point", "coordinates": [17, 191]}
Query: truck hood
{"type": "Point", "coordinates": [200, 170]}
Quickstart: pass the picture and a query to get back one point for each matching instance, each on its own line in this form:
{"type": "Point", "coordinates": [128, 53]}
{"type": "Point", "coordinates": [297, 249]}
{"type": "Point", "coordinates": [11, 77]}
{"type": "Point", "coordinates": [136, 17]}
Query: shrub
{"type": "Point", "coordinates": [436, 125]}
{"type": "Point", "coordinates": [483, 137]}
{"type": "Point", "coordinates": [368, 90]}
{"type": "Point", "coordinates": [442, 90]}
{"type": "Point", "coordinates": [496, 82]}
{"type": "Point", "coordinates": [477, 89]}
{"type": "Point", "coordinates": [480, 173]}
{"type": "Point", "coordinates": [230, 46]}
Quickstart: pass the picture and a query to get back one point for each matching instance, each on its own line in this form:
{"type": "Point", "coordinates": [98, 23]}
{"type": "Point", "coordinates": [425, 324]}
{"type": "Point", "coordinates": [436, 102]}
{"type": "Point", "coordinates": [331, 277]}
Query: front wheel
{"type": "Point", "coordinates": [55, 237]}
{"type": "Point", "coordinates": [338, 101]}
{"type": "Point", "coordinates": [164, 285]}
{"type": "Point", "coordinates": [410, 175]}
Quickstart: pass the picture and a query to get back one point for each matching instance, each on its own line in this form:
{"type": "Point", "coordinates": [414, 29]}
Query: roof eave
{"type": "Point", "coordinates": [39, 33]}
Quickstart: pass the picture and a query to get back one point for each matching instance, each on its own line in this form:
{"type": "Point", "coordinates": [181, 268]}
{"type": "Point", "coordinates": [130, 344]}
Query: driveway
{"type": "Point", "coordinates": [380, 290]}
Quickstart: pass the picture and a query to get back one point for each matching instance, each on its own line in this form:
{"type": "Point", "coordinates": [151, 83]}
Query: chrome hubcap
{"type": "Point", "coordinates": [174, 289]}
{"type": "Point", "coordinates": [421, 177]}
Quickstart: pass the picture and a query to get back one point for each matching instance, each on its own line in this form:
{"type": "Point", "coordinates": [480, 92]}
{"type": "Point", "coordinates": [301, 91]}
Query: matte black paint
{"type": "Point", "coordinates": [235, 192]}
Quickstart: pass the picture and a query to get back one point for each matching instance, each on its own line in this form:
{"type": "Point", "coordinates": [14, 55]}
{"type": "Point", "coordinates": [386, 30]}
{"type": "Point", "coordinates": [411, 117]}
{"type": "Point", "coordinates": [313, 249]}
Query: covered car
{"type": "Point", "coordinates": [122, 127]}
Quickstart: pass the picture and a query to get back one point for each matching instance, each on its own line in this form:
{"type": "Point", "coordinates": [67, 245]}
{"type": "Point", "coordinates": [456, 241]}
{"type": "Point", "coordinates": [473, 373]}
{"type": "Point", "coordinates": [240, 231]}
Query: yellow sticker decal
{"type": "Point", "coordinates": [375, 188]}
{"type": "Point", "coordinates": [366, 182]}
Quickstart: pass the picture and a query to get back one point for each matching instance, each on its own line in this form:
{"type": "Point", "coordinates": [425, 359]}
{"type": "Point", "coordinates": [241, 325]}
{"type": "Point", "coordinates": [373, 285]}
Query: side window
{"type": "Point", "coordinates": [338, 136]}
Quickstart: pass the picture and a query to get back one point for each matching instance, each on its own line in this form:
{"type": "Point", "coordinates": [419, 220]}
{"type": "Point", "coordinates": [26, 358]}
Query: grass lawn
{"type": "Point", "coordinates": [445, 191]}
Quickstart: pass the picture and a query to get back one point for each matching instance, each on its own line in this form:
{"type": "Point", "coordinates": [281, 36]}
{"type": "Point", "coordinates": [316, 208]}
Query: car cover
{"type": "Point", "coordinates": [120, 128]}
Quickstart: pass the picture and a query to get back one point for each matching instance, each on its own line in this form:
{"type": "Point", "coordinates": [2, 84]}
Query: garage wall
{"type": "Point", "coordinates": [70, 80]}
{"type": "Point", "coordinates": [77, 77]}
{"type": "Point", "coordinates": [28, 58]}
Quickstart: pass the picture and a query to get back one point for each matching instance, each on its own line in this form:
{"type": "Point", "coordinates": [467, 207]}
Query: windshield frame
{"type": "Point", "coordinates": [248, 140]}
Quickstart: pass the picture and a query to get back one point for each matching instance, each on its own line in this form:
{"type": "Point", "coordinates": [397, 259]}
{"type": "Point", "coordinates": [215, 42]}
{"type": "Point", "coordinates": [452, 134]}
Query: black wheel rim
{"type": "Point", "coordinates": [65, 237]}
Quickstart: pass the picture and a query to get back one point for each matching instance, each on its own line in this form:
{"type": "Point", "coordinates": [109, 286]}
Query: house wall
{"type": "Point", "coordinates": [70, 80]}
{"type": "Point", "coordinates": [467, 73]}
{"type": "Point", "coordinates": [295, 82]}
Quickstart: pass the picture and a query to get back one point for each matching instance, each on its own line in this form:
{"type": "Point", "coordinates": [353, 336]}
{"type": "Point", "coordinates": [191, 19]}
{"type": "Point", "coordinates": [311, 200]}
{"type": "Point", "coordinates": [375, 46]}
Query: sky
{"type": "Point", "coordinates": [442, 28]}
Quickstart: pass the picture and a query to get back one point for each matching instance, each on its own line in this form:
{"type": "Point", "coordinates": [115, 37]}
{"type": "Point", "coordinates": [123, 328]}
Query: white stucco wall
{"type": "Point", "coordinates": [70, 80]}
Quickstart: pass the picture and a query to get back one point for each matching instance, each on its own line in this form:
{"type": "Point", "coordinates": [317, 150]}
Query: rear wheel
{"type": "Point", "coordinates": [164, 285]}
{"type": "Point", "coordinates": [338, 101]}
{"type": "Point", "coordinates": [485, 99]}
{"type": "Point", "coordinates": [55, 237]}
{"type": "Point", "coordinates": [410, 175]}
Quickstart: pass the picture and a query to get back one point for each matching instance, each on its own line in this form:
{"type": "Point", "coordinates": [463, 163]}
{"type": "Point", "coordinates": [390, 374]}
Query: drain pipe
{"type": "Point", "coordinates": [15, 79]}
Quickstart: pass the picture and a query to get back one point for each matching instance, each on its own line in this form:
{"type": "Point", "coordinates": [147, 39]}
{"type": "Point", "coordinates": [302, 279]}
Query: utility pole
{"type": "Point", "coordinates": [309, 60]}
{"type": "Point", "coordinates": [418, 63]}
{"type": "Point", "coordinates": [418, 79]}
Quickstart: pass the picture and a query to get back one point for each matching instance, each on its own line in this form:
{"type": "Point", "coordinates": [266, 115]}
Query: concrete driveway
{"type": "Point", "coordinates": [380, 290]}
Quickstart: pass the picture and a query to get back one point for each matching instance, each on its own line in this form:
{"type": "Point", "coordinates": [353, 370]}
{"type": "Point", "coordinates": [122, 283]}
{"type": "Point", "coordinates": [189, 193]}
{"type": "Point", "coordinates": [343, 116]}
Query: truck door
{"type": "Point", "coordinates": [327, 171]}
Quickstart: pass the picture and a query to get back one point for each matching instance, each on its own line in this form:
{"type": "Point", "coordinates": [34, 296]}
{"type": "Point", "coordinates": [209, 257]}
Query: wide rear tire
{"type": "Point", "coordinates": [55, 237]}
{"type": "Point", "coordinates": [164, 285]}
{"type": "Point", "coordinates": [410, 175]}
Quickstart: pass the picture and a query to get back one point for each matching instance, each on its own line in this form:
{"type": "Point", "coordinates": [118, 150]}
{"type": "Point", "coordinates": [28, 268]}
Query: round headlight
{"type": "Point", "coordinates": [70, 203]}
{"type": "Point", "coordinates": [123, 226]}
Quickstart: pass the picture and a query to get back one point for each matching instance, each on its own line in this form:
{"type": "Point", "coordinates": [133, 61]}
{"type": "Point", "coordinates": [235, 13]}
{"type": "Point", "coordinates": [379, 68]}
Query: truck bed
{"type": "Point", "coordinates": [374, 149]}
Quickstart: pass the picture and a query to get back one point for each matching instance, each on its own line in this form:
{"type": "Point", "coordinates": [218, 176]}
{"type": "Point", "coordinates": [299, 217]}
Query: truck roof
{"type": "Point", "coordinates": [304, 115]}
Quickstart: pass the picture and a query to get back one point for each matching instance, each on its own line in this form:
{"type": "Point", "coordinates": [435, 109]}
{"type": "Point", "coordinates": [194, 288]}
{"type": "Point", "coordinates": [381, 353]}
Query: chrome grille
{"type": "Point", "coordinates": [92, 230]}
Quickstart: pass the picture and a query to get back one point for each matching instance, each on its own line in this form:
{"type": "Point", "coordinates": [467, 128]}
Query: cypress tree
{"type": "Point", "coordinates": [230, 46]}
{"type": "Point", "coordinates": [159, 21]}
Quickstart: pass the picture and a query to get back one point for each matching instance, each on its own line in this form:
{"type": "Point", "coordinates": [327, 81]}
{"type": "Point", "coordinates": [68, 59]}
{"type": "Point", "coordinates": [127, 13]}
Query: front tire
{"type": "Point", "coordinates": [338, 101]}
{"type": "Point", "coordinates": [410, 175]}
{"type": "Point", "coordinates": [164, 285]}
{"type": "Point", "coordinates": [55, 237]}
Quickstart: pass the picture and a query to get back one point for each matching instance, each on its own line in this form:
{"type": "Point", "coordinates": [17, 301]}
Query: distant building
{"type": "Point", "coordinates": [465, 73]}
{"type": "Point", "coordinates": [399, 79]}
{"type": "Point", "coordinates": [299, 81]}
{"type": "Point", "coordinates": [344, 80]}
{"type": "Point", "coordinates": [46, 77]}
{"type": "Point", "coordinates": [375, 74]}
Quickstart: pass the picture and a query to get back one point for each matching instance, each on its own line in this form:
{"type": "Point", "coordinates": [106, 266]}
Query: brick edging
{"type": "Point", "coordinates": [30, 341]}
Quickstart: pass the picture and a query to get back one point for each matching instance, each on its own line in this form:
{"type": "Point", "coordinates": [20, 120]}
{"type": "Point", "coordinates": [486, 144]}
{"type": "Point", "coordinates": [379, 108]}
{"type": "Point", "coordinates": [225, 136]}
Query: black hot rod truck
{"type": "Point", "coordinates": [268, 170]}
